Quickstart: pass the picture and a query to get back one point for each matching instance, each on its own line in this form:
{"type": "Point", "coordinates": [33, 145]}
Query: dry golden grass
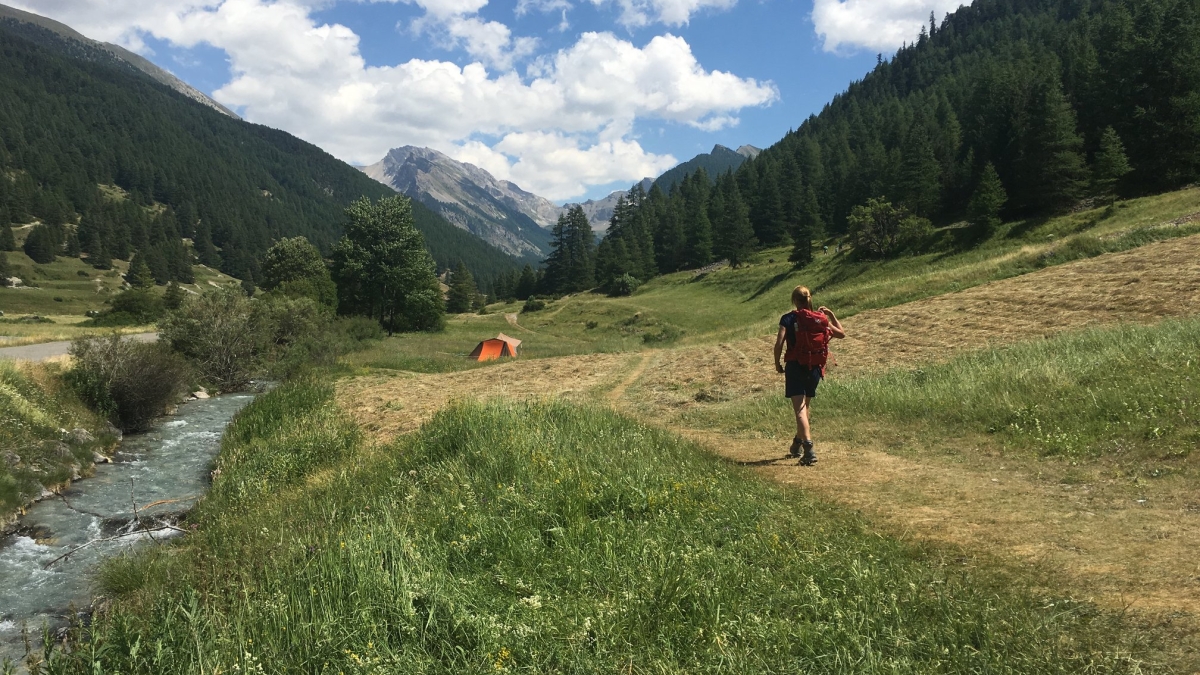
{"type": "Point", "coordinates": [1142, 285]}
{"type": "Point", "coordinates": [1093, 535]}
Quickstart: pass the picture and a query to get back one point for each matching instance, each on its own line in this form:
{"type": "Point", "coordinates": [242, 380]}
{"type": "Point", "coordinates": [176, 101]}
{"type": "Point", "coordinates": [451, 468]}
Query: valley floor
{"type": "Point", "coordinates": [1099, 528]}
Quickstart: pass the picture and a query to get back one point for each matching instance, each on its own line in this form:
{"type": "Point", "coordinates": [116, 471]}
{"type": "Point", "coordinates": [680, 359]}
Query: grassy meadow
{"type": "Point", "coordinates": [62, 292]}
{"type": "Point", "coordinates": [547, 538]}
{"type": "Point", "coordinates": [555, 537]}
{"type": "Point", "coordinates": [684, 309]}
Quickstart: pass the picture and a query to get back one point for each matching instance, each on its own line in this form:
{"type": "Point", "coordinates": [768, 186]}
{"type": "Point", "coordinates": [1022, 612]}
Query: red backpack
{"type": "Point", "coordinates": [810, 343]}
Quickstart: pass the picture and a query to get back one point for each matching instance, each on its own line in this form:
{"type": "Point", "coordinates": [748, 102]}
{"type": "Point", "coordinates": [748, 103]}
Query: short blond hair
{"type": "Point", "coordinates": [802, 298]}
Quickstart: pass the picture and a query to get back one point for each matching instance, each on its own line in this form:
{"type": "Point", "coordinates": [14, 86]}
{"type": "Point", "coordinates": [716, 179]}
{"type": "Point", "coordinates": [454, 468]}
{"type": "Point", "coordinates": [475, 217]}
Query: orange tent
{"type": "Point", "coordinates": [494, 348]}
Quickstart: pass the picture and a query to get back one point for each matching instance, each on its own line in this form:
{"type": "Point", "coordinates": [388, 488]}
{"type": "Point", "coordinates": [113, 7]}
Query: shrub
{"type": "Point", "coordinates": [665, 333]}
{"type": "Point", "coordinates": [359, 329]}
{"type": "Point", "coordinates": [534, 305]}
{"type": "Point", "coordinates": [625, 284]}
{"type": "Point", "coordinates": [131, 307]}
{"type": "Point", "coordinates": [128, 382]}
{"type": "Point", "coordinates": [223, 336]}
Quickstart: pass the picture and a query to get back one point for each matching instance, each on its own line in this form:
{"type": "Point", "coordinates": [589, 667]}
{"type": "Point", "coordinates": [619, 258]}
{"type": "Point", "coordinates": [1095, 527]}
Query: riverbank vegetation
{"type": "Point", "coordinates": [504, 538]}
{"type": "Point", "coordinates": [47, 435]}
{"type": "Point", "coordinates": [129, 383]}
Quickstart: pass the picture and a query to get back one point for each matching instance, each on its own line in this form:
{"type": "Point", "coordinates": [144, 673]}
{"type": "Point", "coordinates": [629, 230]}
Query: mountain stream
{"type": "Point", "coordinates": [162, 472]}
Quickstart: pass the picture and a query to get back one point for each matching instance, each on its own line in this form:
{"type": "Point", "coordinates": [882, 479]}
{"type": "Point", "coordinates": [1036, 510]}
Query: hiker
{"type": "Point", "coordinates": [806, 334]}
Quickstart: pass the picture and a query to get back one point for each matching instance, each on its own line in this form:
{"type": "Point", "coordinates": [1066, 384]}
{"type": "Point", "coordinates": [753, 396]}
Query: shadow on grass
{"type": "Point", "coordinates": [771, 283]}
{"type": "Point", "coordinates": [765, 462]}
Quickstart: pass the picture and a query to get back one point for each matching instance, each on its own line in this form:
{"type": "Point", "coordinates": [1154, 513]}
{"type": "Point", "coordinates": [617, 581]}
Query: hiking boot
{"type": "Point", "coordinates": [794, 451]}
{"type": "Point", "coordinates": [809, 458]}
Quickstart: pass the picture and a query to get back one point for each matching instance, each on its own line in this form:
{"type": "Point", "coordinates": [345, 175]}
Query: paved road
{"type": "Point", "coordinates": [46, 350]}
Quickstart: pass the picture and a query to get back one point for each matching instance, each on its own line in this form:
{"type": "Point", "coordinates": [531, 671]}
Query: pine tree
{"type": "Point", "coordinates": [808, 228]}
{"type": "Point", "coordinates": [72, 249]}
{"type": "Point", "coordinates": [920, 176]}
{"type": "Point", "coordinates": [698, 229]}
{"type": "Point", "coordinates": [174, 296]}
{"type": "Point", "coordinates": [5, 269]}
{"type": "Point", "coordinates": [581, 275]}
{"type": "Point", "coordinates": [100, 260]}
{"type": "Point", "coordinates": [139, 275]}
{"type": "Point", "coordinates": [984, 210]}
{"type": "Point", "coordinates": [41, 245]}
{"type": "Point", "coordinates": [1052, 159]}
{"type": "Point", "coordinates": [7, 241]}
{"type": "Point", "coordinates": [383, 270]}
{"type": "Point", "coordinates": [733, 239]}
{"type": "Point", "coordinates": [768, 218]}
{"type": "Point", "coordinates": [526, 284]}
{"type": "Point", "coordinates": [462, 295]}
{"type": "Point", "coordinates": [1110, 165]}
{"type": "Point", "coordinates": [558, 263]}
{"type": "Point", "coordinates": [206, 253]}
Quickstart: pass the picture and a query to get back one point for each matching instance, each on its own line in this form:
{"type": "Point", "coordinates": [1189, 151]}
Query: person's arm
{"type": "Point", "coordinates": [835, 326]}
{"type": "Point", "coordinates": [779, 339]}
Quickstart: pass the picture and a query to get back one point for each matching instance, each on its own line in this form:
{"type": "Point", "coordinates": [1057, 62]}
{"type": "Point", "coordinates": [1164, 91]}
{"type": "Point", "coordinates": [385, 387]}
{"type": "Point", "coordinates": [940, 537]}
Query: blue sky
{"type": "Point", "coordinates": [569, 99]}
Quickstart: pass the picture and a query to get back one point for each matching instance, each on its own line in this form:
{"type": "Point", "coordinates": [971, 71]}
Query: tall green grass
{"type": "Point", "coordinates": [545, 538]}
{"type": "Point", "coordinates": [36, 452]}
{"type": "Point", "coordinates": [1129, 389]}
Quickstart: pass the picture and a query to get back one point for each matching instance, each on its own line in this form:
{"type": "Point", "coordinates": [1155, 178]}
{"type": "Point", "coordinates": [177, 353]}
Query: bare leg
{"type": "Point", "coordinates": [800, 405]}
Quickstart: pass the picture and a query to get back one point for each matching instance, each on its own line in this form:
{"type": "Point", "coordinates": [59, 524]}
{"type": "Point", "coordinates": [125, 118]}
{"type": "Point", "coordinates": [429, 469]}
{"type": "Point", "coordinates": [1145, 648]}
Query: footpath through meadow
{"type": "Point", "coordinates": [1092, 536]}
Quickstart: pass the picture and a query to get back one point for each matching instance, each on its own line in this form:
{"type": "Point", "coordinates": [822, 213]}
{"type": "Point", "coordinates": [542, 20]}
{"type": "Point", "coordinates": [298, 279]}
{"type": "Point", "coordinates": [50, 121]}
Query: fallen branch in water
{"type": "Point", "coordinates": [114, 538]}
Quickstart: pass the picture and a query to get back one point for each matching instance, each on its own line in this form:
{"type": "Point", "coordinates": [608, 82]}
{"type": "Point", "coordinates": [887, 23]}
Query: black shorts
{"type": "Point", "coordinates": [801, 380]}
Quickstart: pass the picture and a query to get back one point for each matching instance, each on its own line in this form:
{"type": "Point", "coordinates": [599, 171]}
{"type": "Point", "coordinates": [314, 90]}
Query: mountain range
{"type": "Point", "coordinates": [131, 142]}
{"type": "Point", "coordinates": [497, 211]}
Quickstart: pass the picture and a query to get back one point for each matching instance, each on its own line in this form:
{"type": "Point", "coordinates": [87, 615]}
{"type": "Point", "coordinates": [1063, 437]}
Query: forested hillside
{"type": "Point", "coordinates": [1006, 109]}
{"type": "Point", "coordinates": [111, 163]}
{"type": "Point", "coordinates": [715, 163]}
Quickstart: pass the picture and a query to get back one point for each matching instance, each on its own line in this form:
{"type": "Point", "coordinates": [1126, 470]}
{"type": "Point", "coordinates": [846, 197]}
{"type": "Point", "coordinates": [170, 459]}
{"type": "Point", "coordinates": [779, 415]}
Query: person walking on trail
{"type": "Point", "coordinates": [806, 334]}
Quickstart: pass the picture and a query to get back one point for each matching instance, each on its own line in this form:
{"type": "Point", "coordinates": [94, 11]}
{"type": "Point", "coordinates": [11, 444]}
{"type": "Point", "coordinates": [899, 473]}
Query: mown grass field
{"type": "Point", "coordinates": [548, 538]}
{"type": "Point", "coordinates": [539, 536]}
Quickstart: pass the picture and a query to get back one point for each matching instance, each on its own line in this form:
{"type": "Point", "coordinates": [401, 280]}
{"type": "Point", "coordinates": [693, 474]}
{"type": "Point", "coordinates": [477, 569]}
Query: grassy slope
{"type": "Point", "coordinates": [34, 453]}
{"type": "Point", "coordinates": [63, 291]}
{"type": "Point", "coordinates": [681, 309]}
{"type": "Point", "coordinates": [546, 538]}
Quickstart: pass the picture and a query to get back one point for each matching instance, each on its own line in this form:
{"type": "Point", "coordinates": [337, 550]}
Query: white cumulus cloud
{"type": "Point", "coordinates": [879, 25]}
{"type": "Point", "coordinates": [563, 125]}
{"type": "Point", "coordinates": [639, 13]}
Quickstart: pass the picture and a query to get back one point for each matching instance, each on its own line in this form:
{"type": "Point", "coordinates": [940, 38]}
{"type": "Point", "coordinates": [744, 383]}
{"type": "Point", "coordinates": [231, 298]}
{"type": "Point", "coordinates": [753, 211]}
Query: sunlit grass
{"type": "Point", "coordinates": [1130, 390]}
{"type": "Point", "coordinates": [546, 538]}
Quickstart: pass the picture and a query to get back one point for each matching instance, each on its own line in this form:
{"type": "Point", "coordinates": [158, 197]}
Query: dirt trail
{"type": "Point", "coordinates": [1104, 543]}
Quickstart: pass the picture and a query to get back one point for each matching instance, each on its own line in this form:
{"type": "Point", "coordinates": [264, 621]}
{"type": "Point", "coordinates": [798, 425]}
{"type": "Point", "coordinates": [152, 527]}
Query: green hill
{"type": "Point", "coordinates": [75, 118]}
{"type": "Point", "coordinates": [1061, 104]}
